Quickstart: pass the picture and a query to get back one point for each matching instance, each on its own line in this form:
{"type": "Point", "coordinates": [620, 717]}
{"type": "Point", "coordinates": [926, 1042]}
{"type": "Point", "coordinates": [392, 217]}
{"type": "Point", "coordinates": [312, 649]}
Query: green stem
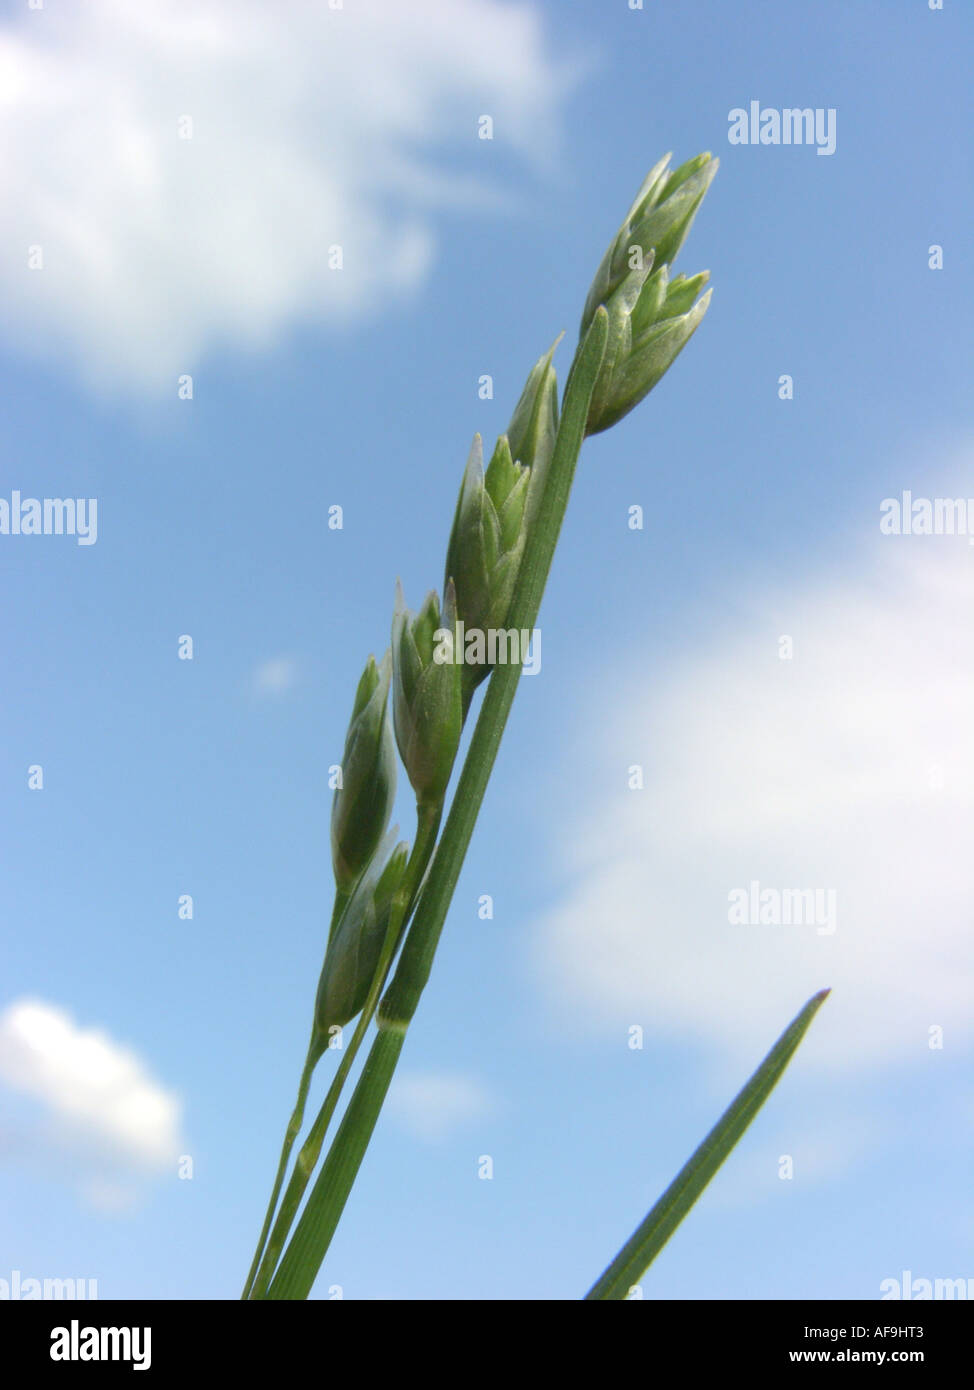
{"type": "Point", "coordinates": [315, 1052]}
{"type": "Point", "coordinates": [428, 821]}
{"type": "Point", "coordinates": [299, 1267]}
{"type": "Point", "coordinates": [309, 1244]}
{"type": "Point", "coordinates": [293, 1128]}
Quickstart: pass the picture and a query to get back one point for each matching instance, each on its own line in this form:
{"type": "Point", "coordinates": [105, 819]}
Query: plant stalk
{"type": "Point", "coordinates": [428, 821]}
{"type": "Point", "coordinates": [312, 1236]}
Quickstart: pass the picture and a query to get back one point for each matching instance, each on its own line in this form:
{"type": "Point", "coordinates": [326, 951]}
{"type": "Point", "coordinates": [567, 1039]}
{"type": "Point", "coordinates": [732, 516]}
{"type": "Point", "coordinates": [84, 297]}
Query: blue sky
{"type": "Point", "coordinates": [848, 767]}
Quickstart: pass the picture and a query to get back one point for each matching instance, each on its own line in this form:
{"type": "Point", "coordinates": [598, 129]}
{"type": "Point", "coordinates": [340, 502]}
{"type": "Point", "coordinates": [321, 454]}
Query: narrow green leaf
{"type": "Point", "coordinates": [638, 1253]}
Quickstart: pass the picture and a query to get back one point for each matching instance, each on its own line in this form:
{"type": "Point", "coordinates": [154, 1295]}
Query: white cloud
{"type": "Point", "coordinates": [275, 677]}
{"type": "Point", "coordinates": [850, 767]}
{"type": "Point", "coordinates": [311, 127]}
{"type": "Point", "coordinates": [110, 1196]}
{"type": "Point", "coordinates": [433, 1105]}
{"type": "Point", "coordinates": [99, 1093]}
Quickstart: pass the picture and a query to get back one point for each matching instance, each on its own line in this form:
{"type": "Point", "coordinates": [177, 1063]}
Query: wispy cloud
{"type": "Point", "coordinates": [275, 677]}
{"type": "Point", "coordinates": [847, 768]}
{"type": "Point", "coordinates": [434, 1105]}
{"type": "Point", "coordinates": [115, 1126]}
{"type": "Point", "coordinates": [308, 127]}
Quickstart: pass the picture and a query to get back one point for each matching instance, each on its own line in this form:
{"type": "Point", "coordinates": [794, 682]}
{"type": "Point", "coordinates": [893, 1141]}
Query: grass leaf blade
{"type": "Point", "coordinates": [648, 1240]}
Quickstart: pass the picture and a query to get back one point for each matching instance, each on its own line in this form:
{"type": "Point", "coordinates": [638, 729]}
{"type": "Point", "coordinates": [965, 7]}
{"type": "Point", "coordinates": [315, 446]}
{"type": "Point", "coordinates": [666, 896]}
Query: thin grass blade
{"type": "Point", "coordinates": [638, 1253]}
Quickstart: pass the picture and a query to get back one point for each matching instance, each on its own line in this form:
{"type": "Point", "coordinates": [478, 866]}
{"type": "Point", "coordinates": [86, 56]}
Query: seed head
{"type": "Point", "coordinates": [657, 223]}
{"type": "Point", "coordinates": [353, 954]}
{"type": "Point", "coordinates": [486, 544]}
{"type": "Point", "coordinates": [648, 328]}
{"type": "Point", "coordinates": [363, 803]}
{"type": "Point", "coordinates": [426, 694]}
{"type": "Point", "coordinates": [534, 424]}
{"type": "Point", "coordinates": [651, 316]}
